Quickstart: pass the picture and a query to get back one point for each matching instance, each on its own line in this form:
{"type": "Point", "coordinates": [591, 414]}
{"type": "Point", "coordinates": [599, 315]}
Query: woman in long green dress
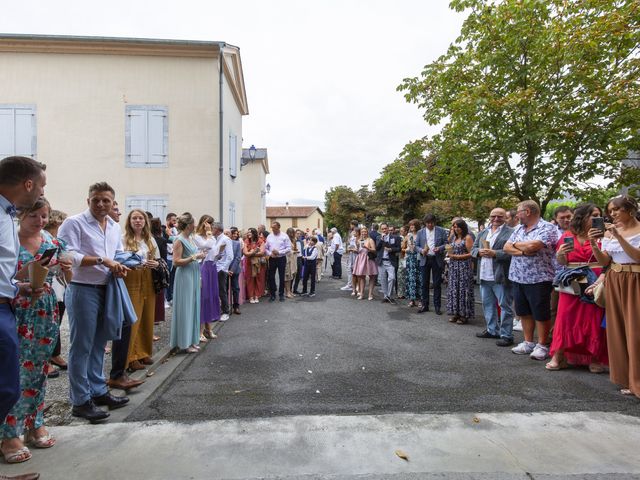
{"type": "Point", "coordinates": [185, 324]}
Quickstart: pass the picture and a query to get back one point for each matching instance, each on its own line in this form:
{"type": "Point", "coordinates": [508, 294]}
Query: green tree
{"type": "Point", "coordinates": [342, 205]}
{"type": "Point", "coordinates": [403, 185]}
{"type": "Point", "coordinates": [535, 97]}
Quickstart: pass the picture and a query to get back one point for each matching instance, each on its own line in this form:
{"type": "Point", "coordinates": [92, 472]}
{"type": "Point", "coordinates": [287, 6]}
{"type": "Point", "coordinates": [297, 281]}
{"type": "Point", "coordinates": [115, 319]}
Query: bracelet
{"type": "Point", "coordinates": [193, 258]}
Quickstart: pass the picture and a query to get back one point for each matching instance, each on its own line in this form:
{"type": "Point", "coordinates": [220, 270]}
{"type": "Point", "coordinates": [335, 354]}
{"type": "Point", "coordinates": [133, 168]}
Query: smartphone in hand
{"type": "Point", "coordinates": [569, 241]}
{"type": "Point", "coordinates": [598, 222]}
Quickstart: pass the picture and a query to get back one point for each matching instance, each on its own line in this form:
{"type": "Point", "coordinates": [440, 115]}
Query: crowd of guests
{"type": "Point", "coordinates": [541, 276]}
{"type": "Point", "coordinates": [115, 283]}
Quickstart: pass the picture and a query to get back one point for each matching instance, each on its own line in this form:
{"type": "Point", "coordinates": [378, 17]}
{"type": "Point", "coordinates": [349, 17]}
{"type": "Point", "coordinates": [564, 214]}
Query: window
{"type": "Point", "coordinates": [156, 204]}
{"type": "Point", "coordinates": [231, 222]}
{"type": "Point", "coordinates": [18, 130]}
{"type": "Point", "coordinates": [294, 222]}
{"type": "Point", "coordinates": [233, 155]}
{"type": "Point", "coordinates": [146, 136]}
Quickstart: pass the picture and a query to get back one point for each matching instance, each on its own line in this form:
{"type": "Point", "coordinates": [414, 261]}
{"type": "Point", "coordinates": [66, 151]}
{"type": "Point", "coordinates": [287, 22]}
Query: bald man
{"type": "Point", "coordinates": [495, 287]}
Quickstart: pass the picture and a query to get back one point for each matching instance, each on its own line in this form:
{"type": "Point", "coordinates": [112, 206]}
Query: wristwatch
{"type": "Point", "coordinates": [99, 261]}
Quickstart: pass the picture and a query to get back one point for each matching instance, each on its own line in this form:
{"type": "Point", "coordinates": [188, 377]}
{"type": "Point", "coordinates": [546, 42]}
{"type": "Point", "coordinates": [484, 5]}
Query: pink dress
{"type": "Point", "coordinates": [363, 265]}
{"type": "Point", "coordinates": [578, 328]}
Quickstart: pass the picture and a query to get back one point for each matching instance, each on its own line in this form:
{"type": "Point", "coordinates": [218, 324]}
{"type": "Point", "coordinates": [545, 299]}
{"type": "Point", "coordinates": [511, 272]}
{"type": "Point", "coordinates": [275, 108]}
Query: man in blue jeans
{"type": "Point", "coordinates": [493, 271]}
{"type": "Point", "coordinates": [22, 182]}
{"type": "Point", "coordinates": [93, 238]}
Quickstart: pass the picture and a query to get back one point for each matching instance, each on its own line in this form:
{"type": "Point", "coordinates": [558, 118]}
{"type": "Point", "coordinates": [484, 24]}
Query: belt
{"type": "Point", "coordinates": [580, 265]}
{"type": "Point", "coordinates": [88, 285]}
{"type": "Point", "coordinates": [625, 267]}
{"type": "Point", "coordinates": [5, 300]}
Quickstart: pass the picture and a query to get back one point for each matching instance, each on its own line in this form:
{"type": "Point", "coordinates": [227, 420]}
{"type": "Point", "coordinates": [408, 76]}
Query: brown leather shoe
{"type": "Point", "coordinates": [124, 382]}
{"type": "Point", "coordinates": [236, 311]}
{"type": "Point", "coordinates": [136, 365]}
{"type": "Point", "coordinates": [146, 361]}
{"type": "Point", "coordinates": [24, 476]}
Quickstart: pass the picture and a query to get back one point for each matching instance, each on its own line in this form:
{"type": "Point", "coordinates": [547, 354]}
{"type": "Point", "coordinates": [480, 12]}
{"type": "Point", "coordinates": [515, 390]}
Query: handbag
{"type": "Point", "coordinates": [372, 255]}
{"type": "Point", "coordinates": [599, 296]}
{"type": "Point", "coordinates": [161, 276]}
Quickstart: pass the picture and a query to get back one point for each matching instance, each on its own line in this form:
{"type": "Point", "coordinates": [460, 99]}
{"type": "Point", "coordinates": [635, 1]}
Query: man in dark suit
{"type": "Point", "coordinates": [493, 272]}
{"type": "Point", "coordinates": [387, 246]}
{"type": "Point", "coordinates": [430, 242]}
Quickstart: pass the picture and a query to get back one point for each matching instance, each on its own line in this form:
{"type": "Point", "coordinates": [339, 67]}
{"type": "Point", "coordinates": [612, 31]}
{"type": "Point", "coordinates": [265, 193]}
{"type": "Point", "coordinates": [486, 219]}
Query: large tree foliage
{"type": "Point", "coordinates": [342, 205]}
{"type": "Point", "coordinates": [535, 98]}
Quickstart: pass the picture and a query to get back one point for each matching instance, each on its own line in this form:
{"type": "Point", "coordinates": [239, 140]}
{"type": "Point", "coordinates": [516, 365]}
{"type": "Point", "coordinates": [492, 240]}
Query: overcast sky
{"type": "Point", "coordinates": [320, 76]}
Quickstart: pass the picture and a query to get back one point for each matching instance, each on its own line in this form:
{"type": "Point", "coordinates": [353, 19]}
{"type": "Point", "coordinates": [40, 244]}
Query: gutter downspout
{"type": "Point", "coordinates": [221, 132]}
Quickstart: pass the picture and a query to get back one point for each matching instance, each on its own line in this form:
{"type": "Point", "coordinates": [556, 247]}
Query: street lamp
{"type": "Point", "coordinates": [267, 190]}
{"type": "Point", "coordinates": [252, 152]}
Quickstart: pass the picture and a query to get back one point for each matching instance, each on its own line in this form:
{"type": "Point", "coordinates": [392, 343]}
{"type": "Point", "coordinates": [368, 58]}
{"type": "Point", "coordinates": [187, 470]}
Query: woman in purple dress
{"type": "Point", "coordinates": [209, 296]}
{"type": "Point", "coordinates": [460, 301]}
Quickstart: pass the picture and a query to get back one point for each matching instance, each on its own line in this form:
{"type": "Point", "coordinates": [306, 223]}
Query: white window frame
{"type": "Point", "coordinates": [34, 132]}
{"type": "Point", "coordinates": [231, 221]}
{"type": "Point", "coordinates": [164, 199]}
{"type": "Point", "coordinates": [146, 162]}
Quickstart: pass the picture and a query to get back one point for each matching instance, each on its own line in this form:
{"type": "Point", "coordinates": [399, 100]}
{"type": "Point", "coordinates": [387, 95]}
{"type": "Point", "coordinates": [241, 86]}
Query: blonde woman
{"type": "Point", "coordinates": [364, 266]}
{"type": "Point", "coordinates": [185, 324]}
{"type": "Point", "coordinates": [292, 263]}
{"type": "Point", "coordinates": [137, 238]}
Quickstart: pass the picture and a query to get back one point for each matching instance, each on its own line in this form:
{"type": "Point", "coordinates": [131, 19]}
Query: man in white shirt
{"type": "Point", "coordinates": [93, 238]}
{"type": "Point", "coordinates": [224, 247]}
{"type": "Point", "coordinates": [495, 287]}
{"type": "Point", "coordinates": [337, 250]}
{"type": "Point", "coordinates": [276, 248]}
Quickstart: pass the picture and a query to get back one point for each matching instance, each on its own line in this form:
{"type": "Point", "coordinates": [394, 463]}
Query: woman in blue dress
{"type": "Point", "coordinates": [37, 326]}
{"type": "Point", "coordinates": [185, 324]}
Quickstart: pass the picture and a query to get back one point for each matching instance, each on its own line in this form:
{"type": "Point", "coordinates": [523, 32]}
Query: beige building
{"type": "Point", "coordinates": [160, 120]}
{"type": "Point", "coordinates": [297, 217]}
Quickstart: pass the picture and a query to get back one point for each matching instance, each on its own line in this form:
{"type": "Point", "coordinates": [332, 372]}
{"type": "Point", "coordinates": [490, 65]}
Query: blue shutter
{"type": "Point", "coordinates": [18, 131]}
{"type": "Point", "coordinates": [146, 136]}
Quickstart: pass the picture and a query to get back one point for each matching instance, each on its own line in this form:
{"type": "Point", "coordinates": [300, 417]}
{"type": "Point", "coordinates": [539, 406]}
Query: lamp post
{"type": "Point", "coordinates": [266, 190]}
{"type": "Point", "coordinates": [252, 152]}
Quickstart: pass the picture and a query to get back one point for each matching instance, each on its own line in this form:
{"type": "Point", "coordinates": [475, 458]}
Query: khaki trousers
{"type": "Point", "coordinates": [143, 297]}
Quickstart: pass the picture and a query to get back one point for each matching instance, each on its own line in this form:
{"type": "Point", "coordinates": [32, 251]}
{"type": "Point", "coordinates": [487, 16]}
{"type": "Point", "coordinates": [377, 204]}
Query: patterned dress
{"type": "Point", "coordinates": [414, 278]}
{"type": "Point", "coordinates": [37, 325]}
{"type": "Point", "coordinates": [460, 295]}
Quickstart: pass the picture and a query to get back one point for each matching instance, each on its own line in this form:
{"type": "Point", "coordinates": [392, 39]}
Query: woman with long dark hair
{"type": "Point", "coordinates": [460, 296]}
{"type": "Point", "coordinates": [578, 336]}
{"type": "Point", "coordinates": [621, 253]}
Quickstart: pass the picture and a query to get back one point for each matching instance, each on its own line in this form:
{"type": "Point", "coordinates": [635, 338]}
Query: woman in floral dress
{"type": "Point", "coordinates": [460, 301]}
{"type": "Point", "coordinates": [37, 325]}
{"type": "Point", "coordinates": [414, 278]}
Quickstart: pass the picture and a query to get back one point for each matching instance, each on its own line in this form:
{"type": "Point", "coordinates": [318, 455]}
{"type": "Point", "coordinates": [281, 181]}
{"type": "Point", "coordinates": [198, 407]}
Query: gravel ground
{"type": "Point", "coordinates": [58, 407]}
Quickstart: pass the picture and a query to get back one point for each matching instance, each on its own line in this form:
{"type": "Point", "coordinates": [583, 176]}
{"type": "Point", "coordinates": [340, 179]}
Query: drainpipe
{"type": "Point", "coordinates": [221, 129]}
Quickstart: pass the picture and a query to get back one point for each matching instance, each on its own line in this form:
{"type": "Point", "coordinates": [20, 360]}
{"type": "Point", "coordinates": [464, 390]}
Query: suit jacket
{"type": "Point", "coordinates": [440, 240]}
{"type": "Point", "coordinates": [503, 260]}
{"type": "Point", "coordinates": [234, 266]}
{"type": "Point", "coordinates": [395, 243]}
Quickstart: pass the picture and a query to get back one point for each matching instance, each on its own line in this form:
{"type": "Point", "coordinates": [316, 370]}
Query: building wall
{"type": "Point", "coordinates": [311, 222]}
{"type": "Point", "coordinates": [253, 176]}
{"type": "Point", "coordinates": [80, 101]}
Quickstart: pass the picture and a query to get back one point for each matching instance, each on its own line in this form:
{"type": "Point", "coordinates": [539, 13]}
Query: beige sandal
{"type": "Point", "coordinates": [44, 441]}
{"type": "Point", "coordinates": [18, 456]}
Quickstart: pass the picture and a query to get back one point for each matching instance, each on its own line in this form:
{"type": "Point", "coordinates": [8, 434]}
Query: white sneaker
{"type": "Point", "coordinates": [224, 317]}
{"type": "Point", "coordinates": [524, 348]}
{"type": "Point", "coordinates": [517, 325]}
{"type": "Point", "coordinates": [166, 304]}
{"type": "Point", "coordinates": [540, 352]}
{"type": "Point", "coordinates": [347, 287]}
